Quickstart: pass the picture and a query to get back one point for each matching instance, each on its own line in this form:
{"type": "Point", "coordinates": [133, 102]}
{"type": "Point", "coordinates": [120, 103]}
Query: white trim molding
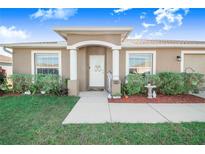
{"type": "Point", "coordinates": [153, 52]}
{"type": "Point", "coordinates": [45, 51]}
{"type": "Point", "coordinates": [184, 52]}
{"type": "Point", "coordinates": [94, 42]}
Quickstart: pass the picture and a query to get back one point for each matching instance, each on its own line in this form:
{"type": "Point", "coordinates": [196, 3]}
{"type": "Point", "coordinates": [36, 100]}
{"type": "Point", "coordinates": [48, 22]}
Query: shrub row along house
{"type": "Point", "coordinates": [88, 53]}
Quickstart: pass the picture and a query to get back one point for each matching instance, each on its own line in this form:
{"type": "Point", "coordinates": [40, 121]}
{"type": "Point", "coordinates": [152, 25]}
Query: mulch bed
{"type": "Point", "coordinates": [9, 94]}
{"type": "Point", "coordinates": [160, 99]}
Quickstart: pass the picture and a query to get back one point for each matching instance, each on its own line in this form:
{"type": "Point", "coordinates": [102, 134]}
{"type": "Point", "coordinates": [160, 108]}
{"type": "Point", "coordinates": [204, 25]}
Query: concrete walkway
{"type": "Point", "coordinates": [93, 107]}
{"type": "Point", "coordinates": [200, 94]}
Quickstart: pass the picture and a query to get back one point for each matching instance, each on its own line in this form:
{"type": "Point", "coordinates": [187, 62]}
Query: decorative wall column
{"type": "Point", "coordinates": [73, 84]}
{"type": "Point", "coordinates": [116, 84]}
{"type": "Point", "coordinates": [73, 64]}
{"type": "Point", "coordinates": [115, 64]}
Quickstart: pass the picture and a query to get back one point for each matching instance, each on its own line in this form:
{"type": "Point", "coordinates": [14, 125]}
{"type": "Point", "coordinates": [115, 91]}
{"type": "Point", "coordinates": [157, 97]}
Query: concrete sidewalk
{"type": "Point", "coordinates": [93, 107]}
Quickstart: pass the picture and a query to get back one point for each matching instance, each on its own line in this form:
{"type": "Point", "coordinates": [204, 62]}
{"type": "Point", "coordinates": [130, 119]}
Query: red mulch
{"type": "Point", "coordinates": [9, 94]}
{"type": "Point", "coordinates": [160, 99]}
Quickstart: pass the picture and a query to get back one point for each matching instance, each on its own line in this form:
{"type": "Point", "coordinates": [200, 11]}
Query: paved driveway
{"type": "Point", "coordinates": [94, 108]}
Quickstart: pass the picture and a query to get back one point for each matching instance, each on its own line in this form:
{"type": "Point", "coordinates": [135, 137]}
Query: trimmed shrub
{"type": "Point", "coordinates": [21, 82]}
{"type": "Point", "coordinates": [172, 83]}
{"type": "Point", "coordinates": [134, 84]}
{"type": "Point", "coordinates": [4, 87]}
{"type": "Point", "coordinates": [50, 84]}
{"type": "Point", "coordinates": [153, 79]}
{"type": "Point", "coordinates": [193, 81]}
{"type": "Point", "coordinates": [168, 83]}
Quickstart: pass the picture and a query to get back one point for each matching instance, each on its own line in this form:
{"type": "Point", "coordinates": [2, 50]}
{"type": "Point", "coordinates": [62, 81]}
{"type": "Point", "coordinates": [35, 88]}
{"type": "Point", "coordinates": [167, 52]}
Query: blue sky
{"type": "Point", "coordinates": [23, 25]}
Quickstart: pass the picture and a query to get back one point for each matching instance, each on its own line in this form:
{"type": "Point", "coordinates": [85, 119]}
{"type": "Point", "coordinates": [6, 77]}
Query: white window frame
{"type": "Point", "coordinates": [184, 52]}
{"type": "Point", "coordinates": [153, 52]}
{"type": "Point", "coordinates": [45, 51]}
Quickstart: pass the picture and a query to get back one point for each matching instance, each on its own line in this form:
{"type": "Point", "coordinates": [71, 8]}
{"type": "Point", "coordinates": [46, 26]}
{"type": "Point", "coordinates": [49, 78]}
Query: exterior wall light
{"type": "Point", "coordinates": [178, 58]}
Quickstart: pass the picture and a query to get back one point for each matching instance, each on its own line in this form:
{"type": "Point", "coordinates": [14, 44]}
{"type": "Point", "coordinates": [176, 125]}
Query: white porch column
{"type": "Point", "coordinates": [73, 64]}
{"type": "Point", "coordinates": [115, 64]}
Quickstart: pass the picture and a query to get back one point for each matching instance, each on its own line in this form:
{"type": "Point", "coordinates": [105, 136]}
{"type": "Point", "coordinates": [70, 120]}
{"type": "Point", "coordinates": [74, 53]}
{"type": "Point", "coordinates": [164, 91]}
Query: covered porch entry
{"type": "Point", "coordinates": [89, 65]}
{"type": "Point", "coordinates": [93, 63]}
{"type": "Point", "coordinates": [94, 51]}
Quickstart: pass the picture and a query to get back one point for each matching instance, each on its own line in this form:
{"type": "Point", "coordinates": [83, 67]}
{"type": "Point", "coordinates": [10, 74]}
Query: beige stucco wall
{"type": "Point", "coordinates": [65, 60]}
{"type": "Point", "coordinates": [22, 61]}
{"type": "Point", "coordinates": [165, 61]}
{"type": "Point", "coordinates": [114, 38]}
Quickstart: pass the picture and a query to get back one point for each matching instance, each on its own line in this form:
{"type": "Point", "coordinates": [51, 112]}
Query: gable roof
{"type": "Point", "coordinates": [145, 43]}
{"type": "Point", "coordinates": [93, 30]}
{"type": "Point", "coordinates": [60, 44]}
{"type": "Point", "coordinates": [127, 43]}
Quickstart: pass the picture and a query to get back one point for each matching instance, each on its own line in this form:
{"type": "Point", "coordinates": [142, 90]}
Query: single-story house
{"type": "Point", "coordinates": [88, 53]}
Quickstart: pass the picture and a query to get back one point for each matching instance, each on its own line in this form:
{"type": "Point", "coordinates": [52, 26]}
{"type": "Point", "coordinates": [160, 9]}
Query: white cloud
{"type": "Point", "coordinates": [156, 34]}
{"type": "Point", "coordinates": [143, 15]}
{"type": "Point", "coordinates": [186, 11]}
{"type": "Point", "coordinates": [169, 17]}
{"type": "Point", "coordinates": [46, 14]}
{"type": "Point", "coordinates": [146, 25]}
{"type": "Point", "coordinates": [11, 34]}
{"type": "Point", "coordinates": [138, 35]}
{"type": "Point", "coordinates": [121, 10]}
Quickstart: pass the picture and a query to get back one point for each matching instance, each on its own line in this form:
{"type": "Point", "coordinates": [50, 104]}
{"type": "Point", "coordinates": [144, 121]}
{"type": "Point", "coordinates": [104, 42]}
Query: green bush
{"type": "Point", "coordinates": [180, 83]}
{"type": "Point", "coordinates": [172, 83]}
{"type": "Point", "coordinates": [153, 80]}
{"type": "Point", "coordinates": [21, 82]}
{"type": "Point", "coordinates": [134, 84]}
{"type": "Point", "coordinates": [193, 81]}
{"type": "Point", "coordinates": [4, 87]}
{"type": "Point", "coordinates": [167, 83]}
{"type": "Point", "coordinates": [50, 84]}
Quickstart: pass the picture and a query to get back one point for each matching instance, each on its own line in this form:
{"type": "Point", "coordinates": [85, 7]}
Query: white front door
{"type": "Point", "coordinates": [96, 72]}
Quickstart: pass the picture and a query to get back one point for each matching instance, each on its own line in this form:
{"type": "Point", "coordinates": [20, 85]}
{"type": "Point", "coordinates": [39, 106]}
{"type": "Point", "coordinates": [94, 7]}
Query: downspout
{"type": "Point", "coordinates": [8, 51]}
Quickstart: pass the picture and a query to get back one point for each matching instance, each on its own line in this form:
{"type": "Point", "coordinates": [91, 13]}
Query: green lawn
{"type": "Point", "coordinates": [37, 120]}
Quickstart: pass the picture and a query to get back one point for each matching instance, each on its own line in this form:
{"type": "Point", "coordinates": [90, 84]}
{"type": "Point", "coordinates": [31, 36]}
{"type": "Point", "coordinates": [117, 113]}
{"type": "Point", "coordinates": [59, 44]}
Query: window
{"type": "Point", "coordinates": [140, 62]}
{"type": "Point", "coordinates": [46, 63]}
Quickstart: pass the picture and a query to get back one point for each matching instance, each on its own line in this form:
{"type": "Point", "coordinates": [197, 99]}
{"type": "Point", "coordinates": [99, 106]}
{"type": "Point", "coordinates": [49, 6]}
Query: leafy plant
{"type": "Point", "coordinates": [153, 79]}
{"type": "Point", "coordinates": [134, 84]}
{"type": "Point", "coordinates": [193, 81]}
{"type": "Point", "coordinates": [2, 75]}
{"type": "Point", "coordinates": [21, 82]}
{"type": "Point", "coordinates": [50, 84]}
{"type": "Point", "coordinates": [172, 83]}
{"type": "Point", "coordinates": [168, 83]}
{"type": "Point", "coordinates": [4, 87]}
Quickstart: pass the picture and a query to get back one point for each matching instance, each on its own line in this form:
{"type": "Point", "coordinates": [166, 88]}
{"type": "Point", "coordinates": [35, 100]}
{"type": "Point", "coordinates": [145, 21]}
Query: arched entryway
{"type": "Point", "coordinates": [93, 62]}
{"type": "Point", "coordinates": [90, 61]}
